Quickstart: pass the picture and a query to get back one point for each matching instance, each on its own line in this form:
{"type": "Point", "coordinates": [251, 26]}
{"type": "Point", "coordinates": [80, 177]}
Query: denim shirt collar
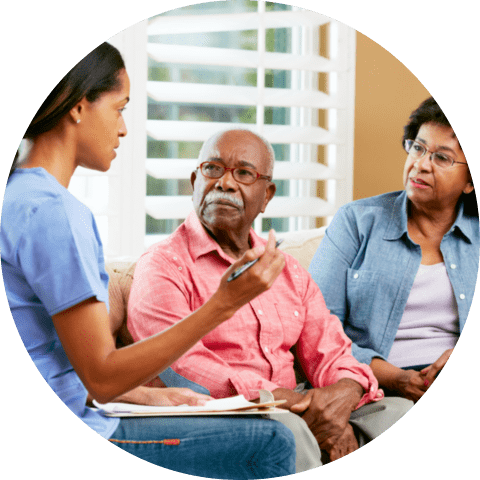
{"type": "Point", "coordinates": [397, 226]}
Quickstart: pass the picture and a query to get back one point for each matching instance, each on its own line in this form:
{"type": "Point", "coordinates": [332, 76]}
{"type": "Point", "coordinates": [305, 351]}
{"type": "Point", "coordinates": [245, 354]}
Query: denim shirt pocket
{"type": "Point", "coordinates": [363, 287]}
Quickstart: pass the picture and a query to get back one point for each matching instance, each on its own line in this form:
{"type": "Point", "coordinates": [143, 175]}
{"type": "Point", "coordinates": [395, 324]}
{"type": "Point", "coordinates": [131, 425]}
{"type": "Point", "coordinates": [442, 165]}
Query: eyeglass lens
{"type": "Point", "coordinates": [417, 150]}
{"type": "Point", "coordinates": [242, 175]}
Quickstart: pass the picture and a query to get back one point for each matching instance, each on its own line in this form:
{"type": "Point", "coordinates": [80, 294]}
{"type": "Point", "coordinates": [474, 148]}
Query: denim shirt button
{"type": "Point", "coordinates": [462, 296]}
{"type": "Point", "coordinates": [453, 266]}
{"type": "Point", "coordinates": [356, 275]}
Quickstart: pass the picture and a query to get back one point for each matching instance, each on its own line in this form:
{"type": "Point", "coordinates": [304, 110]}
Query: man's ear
{"type": "Point", "coordinates": [269, 193]}
{"type": "Point", "coordinates": [193, 177]}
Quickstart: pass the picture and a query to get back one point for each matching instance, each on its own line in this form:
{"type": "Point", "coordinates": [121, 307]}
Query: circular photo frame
{"type": "Point", "coordinates": [402, 51]}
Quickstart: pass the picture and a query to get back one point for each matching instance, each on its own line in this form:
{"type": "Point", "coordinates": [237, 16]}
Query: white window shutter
{"type": "Point", "coordinates": [180, 43]}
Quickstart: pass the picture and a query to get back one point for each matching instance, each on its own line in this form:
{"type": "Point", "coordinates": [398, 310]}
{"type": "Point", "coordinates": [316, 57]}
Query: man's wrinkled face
{"type": "Point", "coordinates": [223, 203]}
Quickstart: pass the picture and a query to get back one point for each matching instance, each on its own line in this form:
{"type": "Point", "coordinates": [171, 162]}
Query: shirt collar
{"type": "Point", "coordinates": [201, 243]}
{"type": "Point", "coordinates": [463, 224]}
{"type": "Point", "coordinates": [397, 226]}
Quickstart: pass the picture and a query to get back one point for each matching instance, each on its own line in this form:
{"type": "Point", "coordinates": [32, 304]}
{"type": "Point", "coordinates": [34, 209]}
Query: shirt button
{"type": "Point", "coordinates": [260, 312]}
{"type": "Point", "coordinates": [295, 266]}
{"type": "Point", "coordinates": [174, 258]}
{"type": "Point", "coordinates": [356, 275]}
{"type": "Point", "coordinates": [179, 268]}
{"type": "Point", "coordinates": [462, 296]}
{"type": "Point", "coordinates": [296, 276]}
{"type": "Point", "coordinates": [453, 266]}
{"type": "Point", "coordinates": [266, 349]}
{"type": "Point", "coordinates": [295, 313]}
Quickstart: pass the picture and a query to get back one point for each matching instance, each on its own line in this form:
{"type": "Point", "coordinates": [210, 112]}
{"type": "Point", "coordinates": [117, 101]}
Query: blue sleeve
{"type": "Point", "coordinates": [330, 266]}
{"type": "Point", "coordinates": [61, 256]}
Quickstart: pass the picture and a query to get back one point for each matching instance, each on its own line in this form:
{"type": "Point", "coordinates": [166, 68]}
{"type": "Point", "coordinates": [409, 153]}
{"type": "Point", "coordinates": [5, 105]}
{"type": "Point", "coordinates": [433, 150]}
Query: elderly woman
{"type": "Point", "coordinates": [399, 269]}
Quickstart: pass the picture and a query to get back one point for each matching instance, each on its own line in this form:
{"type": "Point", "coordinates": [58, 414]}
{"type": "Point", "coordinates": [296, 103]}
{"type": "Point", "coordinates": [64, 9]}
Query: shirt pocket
{"type": "Point", "coordinates": [363, 296]}
{"type": "Point", "coordinates": [292, 319]}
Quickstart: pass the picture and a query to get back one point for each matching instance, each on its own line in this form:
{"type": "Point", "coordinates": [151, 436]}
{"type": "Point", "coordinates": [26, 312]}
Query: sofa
{"type": "Point", "coordinates": [302, 245]}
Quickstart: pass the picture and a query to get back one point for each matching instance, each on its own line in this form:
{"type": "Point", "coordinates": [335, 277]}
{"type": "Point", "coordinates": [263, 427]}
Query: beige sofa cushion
{"type": "Point", "coordinates": [302, 245]}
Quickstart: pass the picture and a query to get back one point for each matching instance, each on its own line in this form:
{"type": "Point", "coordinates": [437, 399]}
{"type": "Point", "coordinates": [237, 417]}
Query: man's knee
{"type": "Point", "coordinates": [373, 419]}
{"type": "Point", "coordinates": [308, 451]}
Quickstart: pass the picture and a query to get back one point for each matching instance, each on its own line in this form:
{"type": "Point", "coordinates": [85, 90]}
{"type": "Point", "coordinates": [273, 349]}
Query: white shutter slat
{"type": "Point", "coordinates": [191, 55]}
{"type": "Point", "coordinates": [179, 168]}
{"type": "Point", "coordinates": [170, 24]}
{"type": "Point", "coordinates": [178, 207]}
{"type": "Point", "coordinates": [200, 131]}
{"type": "Point", "coordinates": [235, 95]}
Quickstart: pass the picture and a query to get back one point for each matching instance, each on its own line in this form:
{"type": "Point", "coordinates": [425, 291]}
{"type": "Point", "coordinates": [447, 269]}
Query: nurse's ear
{"type": "Point", "coordinates": [77, 112]}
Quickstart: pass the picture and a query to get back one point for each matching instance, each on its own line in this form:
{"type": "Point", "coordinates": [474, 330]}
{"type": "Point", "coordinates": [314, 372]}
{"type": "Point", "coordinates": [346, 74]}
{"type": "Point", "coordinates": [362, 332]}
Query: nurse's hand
{"type": "Point", "coordinates": [163, 397]}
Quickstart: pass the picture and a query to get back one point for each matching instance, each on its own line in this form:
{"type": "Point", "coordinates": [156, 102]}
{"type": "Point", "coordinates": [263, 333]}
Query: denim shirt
{"type": "Point", "coordinates": [366, 264]}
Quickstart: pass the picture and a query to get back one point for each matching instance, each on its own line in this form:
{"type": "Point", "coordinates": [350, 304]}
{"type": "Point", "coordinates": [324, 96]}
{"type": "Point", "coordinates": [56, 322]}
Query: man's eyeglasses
{"type": "Point", "coordinates": [417, 151]}
{"type": "Point", "coordinates": [244, 175]}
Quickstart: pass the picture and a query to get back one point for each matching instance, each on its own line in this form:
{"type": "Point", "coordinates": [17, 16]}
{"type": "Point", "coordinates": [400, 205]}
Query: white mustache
{"type": "Point", "coordinates": [215, 195]}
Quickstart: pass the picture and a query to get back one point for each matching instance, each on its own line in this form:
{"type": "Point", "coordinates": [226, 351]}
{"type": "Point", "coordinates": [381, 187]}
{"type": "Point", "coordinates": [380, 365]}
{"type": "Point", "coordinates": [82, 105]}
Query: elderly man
{"type": "Point", "coordinates": [232, 185]}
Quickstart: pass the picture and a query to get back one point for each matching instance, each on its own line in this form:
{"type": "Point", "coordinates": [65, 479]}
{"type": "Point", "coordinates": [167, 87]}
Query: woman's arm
{"type": "Point", "coordinates": [407, 383]}
{"type": "Point", "coordinates": [106, 372]}
{"type": "Point", "coordinates": [164, 397]}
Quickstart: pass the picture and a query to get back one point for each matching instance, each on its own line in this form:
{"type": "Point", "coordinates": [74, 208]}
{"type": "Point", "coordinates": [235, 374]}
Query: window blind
{"type": "Point", "coordinates": [283, 72]}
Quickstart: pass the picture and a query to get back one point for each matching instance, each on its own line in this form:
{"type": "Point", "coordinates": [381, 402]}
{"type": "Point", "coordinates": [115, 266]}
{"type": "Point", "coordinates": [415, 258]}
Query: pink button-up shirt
{"type": "Point", "coordinates": [251, 350]}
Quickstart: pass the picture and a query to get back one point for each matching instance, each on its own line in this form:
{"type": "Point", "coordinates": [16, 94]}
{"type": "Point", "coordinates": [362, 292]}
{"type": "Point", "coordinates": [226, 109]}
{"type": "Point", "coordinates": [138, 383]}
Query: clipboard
{"type": "Point", "coordinates": [225, 406]}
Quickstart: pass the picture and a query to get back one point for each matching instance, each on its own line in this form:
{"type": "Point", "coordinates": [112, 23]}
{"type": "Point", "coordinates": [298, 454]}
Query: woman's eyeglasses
{"type": "Point", "coordinates": [417, 151]}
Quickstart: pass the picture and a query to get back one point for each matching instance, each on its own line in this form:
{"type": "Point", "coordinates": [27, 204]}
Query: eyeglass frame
{"type": "Point", "coordinates": [426, 150]}
{"type": "Point", "coordinates": [232, 169]}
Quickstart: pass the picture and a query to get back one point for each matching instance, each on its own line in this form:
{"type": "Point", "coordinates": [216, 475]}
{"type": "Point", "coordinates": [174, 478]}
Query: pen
{"type": "Point", "coordinates": [247, 265]}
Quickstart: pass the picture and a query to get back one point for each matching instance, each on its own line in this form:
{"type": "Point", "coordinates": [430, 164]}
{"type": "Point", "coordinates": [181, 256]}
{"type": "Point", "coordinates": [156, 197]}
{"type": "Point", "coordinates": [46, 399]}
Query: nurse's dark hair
{"type": "Point", "coordinates": [430, 112]}
{"type": "Point", "coordinates": [94, 75]}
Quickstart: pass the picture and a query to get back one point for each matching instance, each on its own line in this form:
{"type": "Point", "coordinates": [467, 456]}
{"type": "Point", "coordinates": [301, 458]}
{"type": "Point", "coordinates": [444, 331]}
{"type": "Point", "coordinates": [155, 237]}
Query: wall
{"type": "Point", "coordinates": [386, 93]}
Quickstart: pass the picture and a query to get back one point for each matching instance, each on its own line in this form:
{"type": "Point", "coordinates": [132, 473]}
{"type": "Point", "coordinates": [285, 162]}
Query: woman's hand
{"type": "Point", "coordinates": [255, 280]}
{"type": "Point", "coordinates": [171, 397]}
{"type": "Point", "coordinates": [410, 384]}
{"type": "Point", "coordinates": [431, 372]}
{"type": "Point", "coordinates": [407, 383]}
{"type": "Point", "coordinates": [160, 397]}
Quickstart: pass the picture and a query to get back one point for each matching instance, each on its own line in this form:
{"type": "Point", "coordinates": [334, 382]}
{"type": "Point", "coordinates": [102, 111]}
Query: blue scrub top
{"type": "Point", "coordinates": [52, 259]}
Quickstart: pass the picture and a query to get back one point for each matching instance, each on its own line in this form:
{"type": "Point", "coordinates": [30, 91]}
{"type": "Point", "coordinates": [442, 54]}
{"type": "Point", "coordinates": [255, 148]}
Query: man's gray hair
{"type": "Point", "coordinates": [213, 139]}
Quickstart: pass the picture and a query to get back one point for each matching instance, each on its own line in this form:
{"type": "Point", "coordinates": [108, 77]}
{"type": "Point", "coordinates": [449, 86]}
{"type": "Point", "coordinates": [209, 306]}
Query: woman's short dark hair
{"type": "Point", "coordinates": [95, 74]}
{"type": "Point", "coordinates": [430, 112]}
